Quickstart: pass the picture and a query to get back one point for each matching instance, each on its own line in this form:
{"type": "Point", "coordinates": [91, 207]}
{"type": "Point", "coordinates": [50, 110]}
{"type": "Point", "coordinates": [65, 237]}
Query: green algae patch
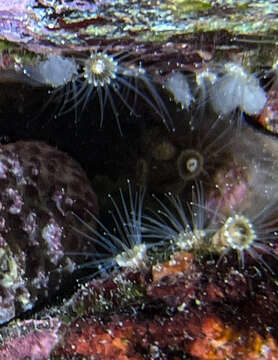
{"type": "Point", "coordinates": [185, 6]}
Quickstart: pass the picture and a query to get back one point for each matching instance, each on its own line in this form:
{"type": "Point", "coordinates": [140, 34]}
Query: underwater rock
{"type": "Point", "coordinates": [39, 24]}
{"type": "Point", "coordinates": [207, 305]}
{"type": "Point", "coordinates": [203, 309]}
{"type": "Point", "coordinates": [206, 338]}
{"type": "Point", "coordinates": [269, 116]}
{"type": "Point", "coordinates": [250, 182]}
{"type": "Point", "coordinates": [32, 339]}
{"type": "Point", "coordinates": [40, 188]}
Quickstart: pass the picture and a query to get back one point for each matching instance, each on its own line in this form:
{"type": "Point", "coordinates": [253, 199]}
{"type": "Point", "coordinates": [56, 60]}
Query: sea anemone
{"type": "Point", "coordinates": [194, 152]}
{"type": "Point", "coordinates": [182, 225]}
{"type": "Point", "coordinates": [251, 233]}
{"type": "Point", "coordinates": [236, 88]}
{"type": "Point", "coordinates": [178, 86]}
{"type": "Point", "coordinates": [54, 71]}
{"type": "Point", "coordinates": [59, 73]}
{"type": "Point", "coordinates": [226, 88]}
{"type": "Point", "coordinates": [75, 81]}
{"type": "Point", "coordinates": [197, 226]}
{"type": "Point", "coordinates": [122, 247]}
{"type": "Point", "coordinates": [110, 77]}
{"type": "Point", "coordinates": [204, 79]}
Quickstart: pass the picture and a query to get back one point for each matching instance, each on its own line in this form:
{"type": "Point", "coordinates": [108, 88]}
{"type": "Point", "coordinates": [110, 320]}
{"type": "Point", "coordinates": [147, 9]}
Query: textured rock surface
{"type": "Point", "coordinates": [40, 23]}
{"type": "Point", "coordinates": [181, 310]}
{"type": "Point", "coordinates": [39, 188]}
{"type": "Point", "coordinates": [193, 305]}
{"type": "Point", "coordinates": [161, 34]}
{"type": "Point", "coordinates": [32, 339]}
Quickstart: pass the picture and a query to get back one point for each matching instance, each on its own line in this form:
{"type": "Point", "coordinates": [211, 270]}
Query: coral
{"type": "Point", "coordinates": [110, 77]}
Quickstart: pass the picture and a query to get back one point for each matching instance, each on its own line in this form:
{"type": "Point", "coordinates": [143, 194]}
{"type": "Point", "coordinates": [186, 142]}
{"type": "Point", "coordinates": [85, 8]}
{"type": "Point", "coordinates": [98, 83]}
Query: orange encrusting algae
{"type": "Point", "coordinates": [218, 341]}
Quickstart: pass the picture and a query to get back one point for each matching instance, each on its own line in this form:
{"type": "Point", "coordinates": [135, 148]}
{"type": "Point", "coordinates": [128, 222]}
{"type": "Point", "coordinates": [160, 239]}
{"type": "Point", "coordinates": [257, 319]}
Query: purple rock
{"type": "Point", "coordinates": [32, 339]}
{"type": "Point", "coordinates": [40, 187]}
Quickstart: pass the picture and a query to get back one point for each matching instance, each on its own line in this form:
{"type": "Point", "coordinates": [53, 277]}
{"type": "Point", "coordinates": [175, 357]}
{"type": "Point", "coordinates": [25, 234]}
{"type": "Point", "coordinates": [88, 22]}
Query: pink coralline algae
{"type": "Point", "coordinates": [40, 187]}
{"type": "Point", "coordinates": [31, 338]}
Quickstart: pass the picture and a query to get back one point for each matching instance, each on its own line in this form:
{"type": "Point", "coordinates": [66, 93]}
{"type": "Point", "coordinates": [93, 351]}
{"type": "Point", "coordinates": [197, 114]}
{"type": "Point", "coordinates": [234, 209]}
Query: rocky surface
{"type": "Point", "coordinates": [205, 303]}
{"type": "Point", "coordinates": [40, 188]}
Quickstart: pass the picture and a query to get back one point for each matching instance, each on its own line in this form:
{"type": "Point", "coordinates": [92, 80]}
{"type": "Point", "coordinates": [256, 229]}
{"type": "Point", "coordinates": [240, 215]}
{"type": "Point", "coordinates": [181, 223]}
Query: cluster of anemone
{"type": "Point", "coordinates": [179, 225]}
{"type": "Point", "coordinates": [212, 154]}
{"type": "Point", "coordinates": [196, 227]}
{"type": "Point", "coordinates": [226, 87]}
{"type": "Point", "coordinates": [76, 81]}
{"type": "Point", "coordinates": [112, 77]}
